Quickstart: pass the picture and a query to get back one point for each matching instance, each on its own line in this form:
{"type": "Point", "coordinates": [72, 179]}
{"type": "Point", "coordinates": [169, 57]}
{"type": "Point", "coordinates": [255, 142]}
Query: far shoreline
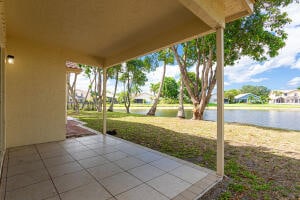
{"type": "Point", "coordinates": [226, 106]}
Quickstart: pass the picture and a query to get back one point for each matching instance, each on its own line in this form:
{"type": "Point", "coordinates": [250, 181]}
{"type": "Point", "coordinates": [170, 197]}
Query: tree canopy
{"type": "Point", "coordinates": [261, 91]}
{"type": "Point", "coordinates": [258, 36]}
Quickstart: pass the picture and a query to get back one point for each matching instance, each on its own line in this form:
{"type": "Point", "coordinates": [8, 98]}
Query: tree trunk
{"type": "Point", "coordinates": [111, 107]}
{"type": "Point", "coordinates": [72, 92]}
{"type": "Point", "coordinates": [99, 92]}
{"type": "Point", "coordinates": [180, 112]}
{"type": "Point", "coordinates": [152, 110]}
{"type": "Point", "coordinates": [127, 97]}
{"type": "Point", "coordinates": [89, 89]}
{"type": "Point", "coordinates": [68, 95]}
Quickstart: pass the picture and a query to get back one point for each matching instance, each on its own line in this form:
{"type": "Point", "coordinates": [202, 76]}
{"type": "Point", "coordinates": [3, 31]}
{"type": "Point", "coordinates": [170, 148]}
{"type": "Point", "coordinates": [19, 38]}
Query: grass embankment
{"type": "Point", "coordinates": [262, 163]}
{"type": "Point", "coordinates": [226, 106]}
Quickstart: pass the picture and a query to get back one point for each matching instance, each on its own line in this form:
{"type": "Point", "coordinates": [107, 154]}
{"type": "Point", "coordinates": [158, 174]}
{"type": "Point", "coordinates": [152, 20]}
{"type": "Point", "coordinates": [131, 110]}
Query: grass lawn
{"type": "Point", "coordinates": [262, 163]}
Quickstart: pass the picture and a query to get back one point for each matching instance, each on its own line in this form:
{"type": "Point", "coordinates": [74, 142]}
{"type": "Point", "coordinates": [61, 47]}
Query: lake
{"type": "Point", "coordinates": [285, 119]}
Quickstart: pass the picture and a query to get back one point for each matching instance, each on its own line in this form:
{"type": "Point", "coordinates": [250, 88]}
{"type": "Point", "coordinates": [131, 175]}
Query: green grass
{"type": "Point", "coordinates": [262, 163]}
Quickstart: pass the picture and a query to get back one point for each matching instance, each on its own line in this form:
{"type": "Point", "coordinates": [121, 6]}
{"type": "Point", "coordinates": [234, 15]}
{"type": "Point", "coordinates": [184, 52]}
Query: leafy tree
{"type": "Point", "coordinates": [258, 36]}
{"type": "Point", "coordinates": [95, 86]}
{"type": "Point", "coordinates": [114, 71]}
{"type": "Point", "coordinates": [298, 88]}
{"type": "Point", "coordinates": [133, 78]}
{"type": "Point", "coordinates": [154, 87]}
{"type": "Point", "coordinates": [166, 57]}
{"type": "Point", "coordinates": [170, 88]}
{"type": "Point", "coordinates": [192, 77]}
{"type": "Point", "coordinates": [261, 91]}
{"type": "Point", "coordinates": [72, 90]}
{"type": "Point", "coordinates": [180, 112]}
{"type": "Point", "coordinates": [230, 94]}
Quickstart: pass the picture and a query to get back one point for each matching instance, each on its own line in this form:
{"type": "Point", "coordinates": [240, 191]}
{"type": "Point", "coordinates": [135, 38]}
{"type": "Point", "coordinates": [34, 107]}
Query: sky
{"type": "Point", "coordinates": [279, 73]}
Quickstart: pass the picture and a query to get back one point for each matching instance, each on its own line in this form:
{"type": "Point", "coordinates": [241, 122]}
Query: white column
{"type": "Point", "coordinates": [220, 101]}
{"type": "Point", "coordinates": [104, 101]}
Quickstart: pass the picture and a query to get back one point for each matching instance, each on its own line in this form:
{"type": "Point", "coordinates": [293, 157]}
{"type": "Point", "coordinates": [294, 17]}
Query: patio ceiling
{"type": "Point", "coordinates": [117, 30]}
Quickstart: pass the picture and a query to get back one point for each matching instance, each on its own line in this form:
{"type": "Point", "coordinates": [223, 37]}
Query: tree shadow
{"type": "Point", "coordinates": [257, 173]}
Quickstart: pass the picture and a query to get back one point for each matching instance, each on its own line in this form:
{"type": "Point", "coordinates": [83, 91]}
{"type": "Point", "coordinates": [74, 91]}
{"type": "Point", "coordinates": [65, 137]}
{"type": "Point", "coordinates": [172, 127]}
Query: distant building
{"type": "Point", "coordinates": [247, 98]}
{"type": "Point", "coordinates": [143, 98]}
{"type": "Point", "coordinates": [285, 96]}
{"type": "Point", "coordinates": [80, 95]}
{"type": "Point", "coordinates": [213, 99]}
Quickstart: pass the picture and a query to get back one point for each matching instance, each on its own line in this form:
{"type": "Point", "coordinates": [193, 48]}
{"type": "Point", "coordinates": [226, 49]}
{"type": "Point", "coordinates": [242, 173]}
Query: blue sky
{"type": "Point", "coordinates": [281, 72]}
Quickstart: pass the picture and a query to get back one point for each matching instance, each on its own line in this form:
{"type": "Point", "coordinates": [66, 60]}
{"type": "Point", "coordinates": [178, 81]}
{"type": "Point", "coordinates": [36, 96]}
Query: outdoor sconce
{"type": "Point", "coordinates": [10, 59]}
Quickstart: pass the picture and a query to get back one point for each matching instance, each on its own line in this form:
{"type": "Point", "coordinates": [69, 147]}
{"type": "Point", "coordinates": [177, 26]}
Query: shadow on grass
{"type": "Point", "coordinates": [256, 173]}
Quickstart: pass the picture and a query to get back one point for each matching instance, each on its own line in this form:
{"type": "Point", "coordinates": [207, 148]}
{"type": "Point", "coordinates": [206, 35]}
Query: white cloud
{"type": "Point", "coordinates": [297, 64]}
{"type": "Point", "coordinates": [247, 69]}
{"type": "Point", "coordinates": [155, 76]}
{"type": "Point", "coordinates": [295, 82]}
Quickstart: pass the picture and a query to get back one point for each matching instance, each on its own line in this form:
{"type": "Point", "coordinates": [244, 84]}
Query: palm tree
{"type": "Point", "coordinates": [167, 57]}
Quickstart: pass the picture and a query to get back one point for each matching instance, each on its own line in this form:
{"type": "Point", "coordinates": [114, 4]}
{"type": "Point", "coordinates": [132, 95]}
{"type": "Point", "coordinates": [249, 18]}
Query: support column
{"type": "Point", "coordinates": [220, 101]}
{"type": "Point", "coordinates": [104, 101]}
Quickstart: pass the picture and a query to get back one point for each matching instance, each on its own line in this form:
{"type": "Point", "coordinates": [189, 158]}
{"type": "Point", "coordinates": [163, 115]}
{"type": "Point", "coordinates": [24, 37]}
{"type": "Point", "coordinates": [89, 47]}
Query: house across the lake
{"type": "Point", "coordinates": [213, 99]}
{"type": "Point", "coordinates": [143, 98]}
{"type": "Point", "coordinates": [247, 98]}
{"type": "Point", "coordinates": [285, 96]}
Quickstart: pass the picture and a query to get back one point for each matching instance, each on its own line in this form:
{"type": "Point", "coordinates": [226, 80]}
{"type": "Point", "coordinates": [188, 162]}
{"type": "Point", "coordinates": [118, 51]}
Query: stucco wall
{"type": "Point", "coordinates": [35, 94]}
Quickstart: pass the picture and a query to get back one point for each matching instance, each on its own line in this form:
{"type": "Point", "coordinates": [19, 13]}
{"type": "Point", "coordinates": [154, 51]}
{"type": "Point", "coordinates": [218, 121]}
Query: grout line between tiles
{"type": "Point", "coordinates": [48, 172]}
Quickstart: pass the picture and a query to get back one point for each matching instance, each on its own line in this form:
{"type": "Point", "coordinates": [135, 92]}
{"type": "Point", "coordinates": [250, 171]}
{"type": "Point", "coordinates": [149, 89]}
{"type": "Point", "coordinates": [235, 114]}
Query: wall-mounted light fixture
{"type": "Point", "coordinates": [10, 59]}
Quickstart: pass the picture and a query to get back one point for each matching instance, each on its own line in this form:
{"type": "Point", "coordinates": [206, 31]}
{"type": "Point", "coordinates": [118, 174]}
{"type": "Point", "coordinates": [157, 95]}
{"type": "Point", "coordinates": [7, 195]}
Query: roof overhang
{"type": "Point", "coordinates": [117, 30]}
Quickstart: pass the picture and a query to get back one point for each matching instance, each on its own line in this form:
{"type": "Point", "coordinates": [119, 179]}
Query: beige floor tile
{"type": "Point", "coordinates": [148, 156]}
{"type": "Point", "coordinates": [71, 181]}
{"type": "Point", "coordinates": [45, 147]}
{"type": "Point", "coordinates": [106, 170]}
{"type": "Point", "coordinates": [143, 192]}
{"type": "Point", "coordinates": [91, 191]}
{"type": "Point", "coordinates": [166, 164]}
{"type": "Point", "coordinates": [84, 154]}
{"type": "Point", "coordinates": [53, 153]}
{"type": "Point", "coordinates": [53, 198]}
{"type": "Point", "coordinates": [23, 168]}
{"type": "Point", "coordinates": [26, 151]}
{"type": "Point", "coordinates": [133, 150]}
{"type": "Point", "coordinates": [36, 191]}
{"type": "Point", "coordinates": [88, 142]}
{"type": "Point", "coordinates": [120, 183]}
{"type": "Point", "coordinates": [58, 160]}
{"type": "Point", "coordinates": [129, 163]}
{"type": "Point", "coordinates": [114, 156]}
{"type": "Point", "coordinates": [76, 148]}
{"type": "Point", "coordinates": [105, 150]}
{"type": "Point", "coordinates": [93, 161]}
{"type": "Point", "coordinates": [146, 172]}
{"type": "Point", "coordinates": [188, 174]}
{"type": "Point", "coordinates": [26, 179]}
{"type": "Point", "coordinates": [19, 160]}
{"type": "Point", "coordinates": [21, 148]}
{"type": "Point", "coordinates": [60, 170]}
{"type": "Point", "coordinates": [95, 145]}
{"type": "Point", "coordinates": [169, 185]}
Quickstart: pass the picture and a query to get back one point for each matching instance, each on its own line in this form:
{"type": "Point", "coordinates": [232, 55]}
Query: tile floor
{"type": "Point", "coordinates": [99, 167]}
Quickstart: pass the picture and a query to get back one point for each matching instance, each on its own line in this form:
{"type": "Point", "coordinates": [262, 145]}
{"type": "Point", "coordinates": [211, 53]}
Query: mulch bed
{"type": "Point", "coordinates": [73, 130]}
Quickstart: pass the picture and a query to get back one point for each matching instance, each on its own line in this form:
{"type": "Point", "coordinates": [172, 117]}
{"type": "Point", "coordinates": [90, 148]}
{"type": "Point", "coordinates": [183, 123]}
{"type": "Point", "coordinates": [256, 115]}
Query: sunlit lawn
{"type": "Point", "coordinates": [262, 163]}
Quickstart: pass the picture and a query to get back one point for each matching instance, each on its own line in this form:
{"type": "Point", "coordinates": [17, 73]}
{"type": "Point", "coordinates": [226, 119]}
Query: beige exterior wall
{"type": "Point", "coordinates": [35, 94]}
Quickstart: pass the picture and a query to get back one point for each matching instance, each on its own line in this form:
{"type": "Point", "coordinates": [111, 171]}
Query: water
{"type": "Point", "coordinates": [285, 119]}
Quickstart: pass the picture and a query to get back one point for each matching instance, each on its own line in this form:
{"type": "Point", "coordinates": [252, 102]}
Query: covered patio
{"type": "Point", "coordinates": [100, 167]}
{"type": "Point", "coordinates": [37, 38]}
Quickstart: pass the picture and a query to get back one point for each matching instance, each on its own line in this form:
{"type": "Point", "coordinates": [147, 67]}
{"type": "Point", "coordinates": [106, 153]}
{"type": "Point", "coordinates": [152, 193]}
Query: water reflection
{"type": "Point", "coordinates": [286, 119]}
